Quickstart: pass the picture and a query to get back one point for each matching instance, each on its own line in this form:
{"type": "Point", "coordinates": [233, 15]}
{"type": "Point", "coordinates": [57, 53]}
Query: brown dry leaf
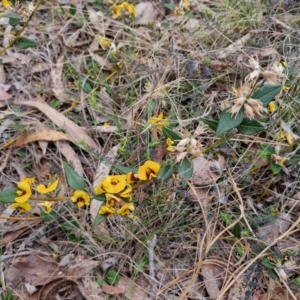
{"type": "Point", "coordinates": [260, 52]}
{"type": "Point", "coordinates": [147, 13]}
{"type": "Point", "coordinates": [102, 61]}
{"type": "Point", "coordinates": [50, 290]}
{"type": "Point", "coordinates": [210, 281]}
{"type": "Point", "coordinates": [38, 270]}
{"type": "Point", "coordinates": [76, 133]}
{"type": "Point", "coordinates": [56, 78]}
{"type": "Point", "coordinates": [16, 230]}
{"type": "Point", "coordinates": [2, 74]}
{"type": "Point", "coordinates": [68, 152]}
{"type": "Point", "coordinates": [271, 231]}
{"type": "Point", "coordinates": [200, 194]}
{"type": "Point", "coordinates": [40, 68]}
{"type": "Point", "coordinates": [4, 96]}
{"type": "Point", "coordinates": [91, 289]}
{"type": "Point", "coordinates": [205, 171]}
{"type": "Point", "coordinates": [234, 47]}
{"type": "Point", "coordinates": [102, 171]}
{"type": "Point", "coordinates": [82, 268]}
{"type": "Point", "coordinates": [127, 287]}
{"type": "Point", "coordinates": [44, 135]}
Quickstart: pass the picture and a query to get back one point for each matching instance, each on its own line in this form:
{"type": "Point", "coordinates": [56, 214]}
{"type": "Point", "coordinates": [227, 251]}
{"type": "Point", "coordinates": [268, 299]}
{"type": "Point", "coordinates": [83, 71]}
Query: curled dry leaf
{"type": "Point", "coordinates": [75, 132]}
{"type": "Point", "coordinates": [102, 171]}
{"type": "Point", "coordinates": [44, 135]}
{"type": "Point", "coordinates": [205, 171]}
{"type": "Point", "coordinates": [234, 47]}
{"type": "Point", "coordinates": [210, 280]}
{"type": "Point", "coordinates": [56, 78]}
{"type": "Point", "coordinates": [147, 12]}
{"type": "Point", "coordinates": [68, 152]}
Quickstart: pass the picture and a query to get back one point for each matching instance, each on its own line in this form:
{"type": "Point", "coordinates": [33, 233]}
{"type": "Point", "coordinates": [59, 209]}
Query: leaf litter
{"type": "Point", "coordinates": [94, 106]}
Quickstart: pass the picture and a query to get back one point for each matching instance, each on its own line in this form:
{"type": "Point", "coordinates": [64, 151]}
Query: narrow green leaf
{"type": "Point", "coordinates": [72, 10]}
{"type": "Point", "coordinates": [266, 93]}
{"type": "Point", "coordinates": [249, 126]}
{"type": "Point", "coordinates": [266, 151]}
{"type": "Point", "coordinates": [228, 122]}
{"type": "Point", "coordinates": [293, 160]}
{"type": "Point", "coordinates": [24, 43]}
{"type": "Point", "coordinates": [74, 180]}
{"type": "Point", "coordinates": [112, 277]}
{"type": "Point", "coordinates": [99, 219]}
{"type": "Point", "coordinates": [125, 170]}
{"type": "Point", "coordinates": [266, 263]}
{"type": "Point", "coordinates": [166, 172]}
{"type": "Point", "coordinates": [99, 281]}
{"type": "Point", "coordinates": [275, 168]}
{"type": "Point", "coordinates": [185, 168]}
{"type": "Point", "coordinates": [169, 6]}
{"type": "Point", "coordinates": [8, 196]}
{"type": "Point", "coordinates": [11, 16]}
{"type": "Point", "coordinates": [169, 133]}
{"type": "Point", "coordinates": [213, 124]}
{"type": "Point", "coordinates": [99, 197]}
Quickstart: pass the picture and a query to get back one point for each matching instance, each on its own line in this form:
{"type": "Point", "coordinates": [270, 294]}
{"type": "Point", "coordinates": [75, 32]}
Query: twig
{"type": "Point", "coordinates": [151, 244]}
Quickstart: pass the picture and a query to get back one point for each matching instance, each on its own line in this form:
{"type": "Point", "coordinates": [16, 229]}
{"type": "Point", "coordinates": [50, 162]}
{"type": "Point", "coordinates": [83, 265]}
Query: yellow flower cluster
{"type": "Point", "coordinates": [24, 193]}
{"type": "Point", "coordinates": [124, 7]}
{"type": "Point", "coordinates": [118, 189]}
{"type": "Point", "coordinates": [184, 6]}
{"type": "Point", "coordinates": [159, 121]}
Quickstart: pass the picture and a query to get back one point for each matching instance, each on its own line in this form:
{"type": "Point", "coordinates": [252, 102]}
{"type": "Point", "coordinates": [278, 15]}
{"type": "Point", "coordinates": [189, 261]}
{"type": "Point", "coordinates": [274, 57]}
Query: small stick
{"type": "Point", "coordinates": [151, 244]}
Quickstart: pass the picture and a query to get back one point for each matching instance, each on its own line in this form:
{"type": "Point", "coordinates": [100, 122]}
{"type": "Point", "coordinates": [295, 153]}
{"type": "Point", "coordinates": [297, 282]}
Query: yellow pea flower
{"type": "Point", "coordinates": [105, 210]}
{"type": "Point", "coordinates": [127, 193]}
{"type": "Point", "coordinates": [105, 44]}
{"type": "Point", "coordinates": [126, 209]}
{"type": "Point", "coordinates": [42, 189]}
{"type": "Point", "coordinates": [6, 3]}
{"type": "Point", "coordinates": [159, 121]}
{"type": "Point", "coordinates": [170, 145]}
{"type": "Point", "coordinates": [24, 191]}
{"type": "Point", "coordinates": [111, 184]}
{"type": "Point", "coordinates": [23, 206]}
{"type": "Point", "coordinates": [81, 198]}
{"type": "Point", "coordinates": [148, 170]}
{"type": "Point", "coordinates": [47, 205]}
{"type": "Point", "coordinates": [272, 106]}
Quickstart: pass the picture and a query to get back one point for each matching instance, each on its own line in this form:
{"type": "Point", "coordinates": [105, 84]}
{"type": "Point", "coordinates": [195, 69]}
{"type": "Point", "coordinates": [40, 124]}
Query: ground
{"type": "Point", "coordinates": [150, 150]}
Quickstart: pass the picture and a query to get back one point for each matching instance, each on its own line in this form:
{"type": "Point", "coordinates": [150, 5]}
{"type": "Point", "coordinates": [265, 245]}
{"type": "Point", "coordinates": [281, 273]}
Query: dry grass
{"type": "Point", "coordinates": [227, 239]}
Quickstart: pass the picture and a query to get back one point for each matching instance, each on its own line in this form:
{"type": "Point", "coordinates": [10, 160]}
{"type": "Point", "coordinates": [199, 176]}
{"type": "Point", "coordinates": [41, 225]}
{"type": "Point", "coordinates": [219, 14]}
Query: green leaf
{"type": "Point", "coordinates": [125, 170]}
{"type": "Point", "coordinates": [249, 126]}
{"type": "Point", "coordinates": [13, 18]}
{"type": "Point", "coordinates": [169, 6]}
{"type": "Point", "coordinates": [293, 160]}
{"type": "Point", "coordinates": [228, 122]}
{"type": "Point", "coordinates": [169, 133]}
{"type": "Point", "coordinates": [266, 151]}
{"type": "Point", "coordinates": [267, 264]}
{"type": "Point", "coordinates": [185, 168]}
{"type": "Point", "coordinates": [236, 230]}
{"type": "Point", "coordinates": [166, 172]}
{"type": "Point", "coordinates": [266, 93]}
{"type": "Point", "coordinates": [112, 277]}
{"type": "Point", "coordinates": [68, 225]}
{"type": "Point", "coordinates": [275, 168]}
{"type": "Point", "coordinates": [99, 281]}
{"type": "Point", "coordinates": [72, 10]}
{"type": "Point", "coordinates": [99, 197]}
{"type": "Point", "coordinates": [98, 220]}
{"type": "Point", "coordinates": [48, 216]}
{"type": "Point", "coordinates": [24, 43]}
{"type": "Point", "coordinates": [213, 124]}
{"type": "Point", "coordinates": [9, 195]}
{"type": "Point", "coordinates": [74, 180]}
